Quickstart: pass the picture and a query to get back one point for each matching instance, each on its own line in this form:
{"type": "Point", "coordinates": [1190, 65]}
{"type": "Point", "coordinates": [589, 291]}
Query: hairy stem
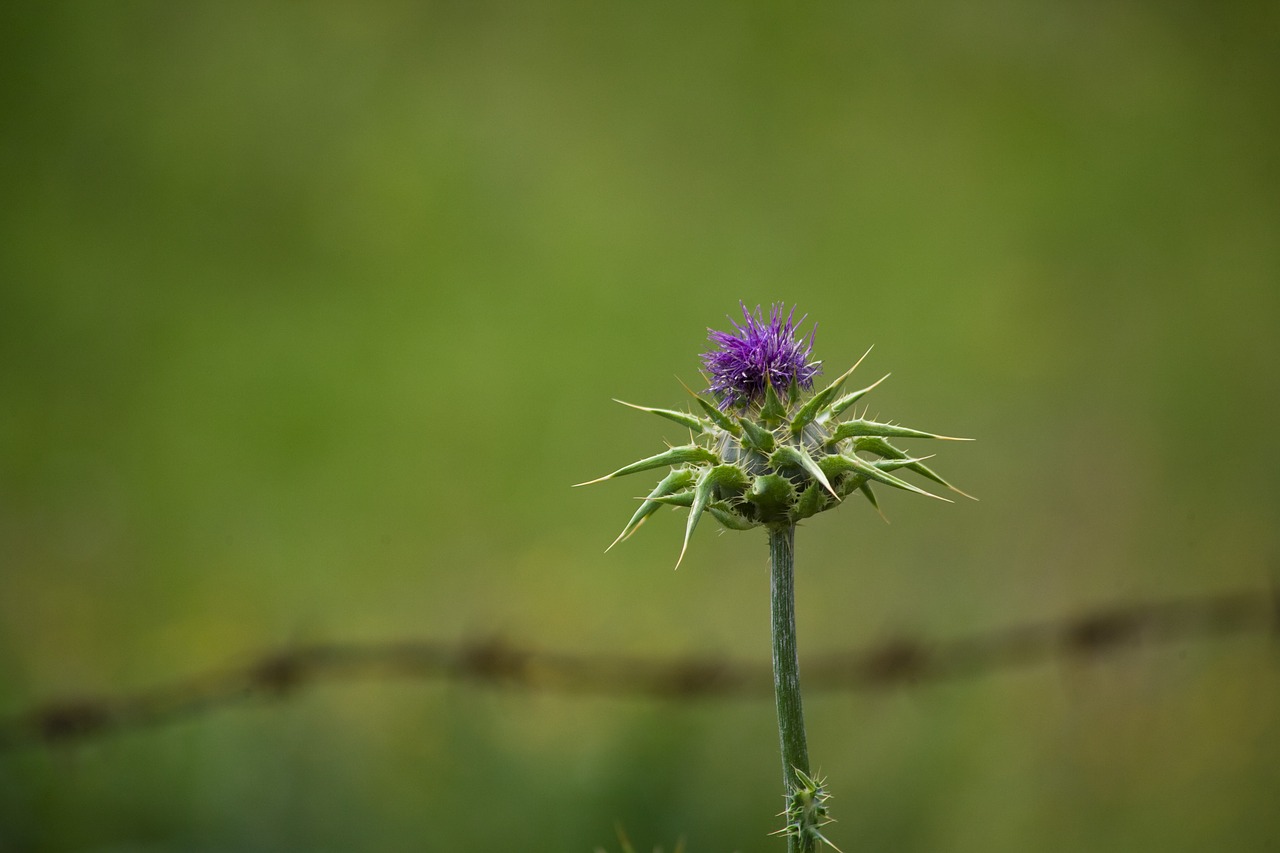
{"type": "Point", "coordinates": [786, 666]}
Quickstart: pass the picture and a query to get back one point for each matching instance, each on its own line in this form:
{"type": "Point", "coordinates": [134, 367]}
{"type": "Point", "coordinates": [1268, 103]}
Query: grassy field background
{"type": "Point", "coordinates": [310, 315]}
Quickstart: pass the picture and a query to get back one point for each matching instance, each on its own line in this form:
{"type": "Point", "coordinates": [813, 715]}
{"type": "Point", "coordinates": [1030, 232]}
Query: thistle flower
{"type": "Point", "coordinates": [765, 453]}
{"type": "Point", "coordinates": [760, 355]}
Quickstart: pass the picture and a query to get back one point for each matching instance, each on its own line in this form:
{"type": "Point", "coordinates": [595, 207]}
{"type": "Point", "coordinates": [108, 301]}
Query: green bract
{"type": "Point", "coordinates": [776, 461]}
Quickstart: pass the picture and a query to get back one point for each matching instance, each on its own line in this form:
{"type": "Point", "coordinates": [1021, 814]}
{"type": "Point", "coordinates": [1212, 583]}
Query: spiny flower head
{"type": "Point", "coordinates": [773, 456]}
{"type": "Point", "coordinates": [760, 355]}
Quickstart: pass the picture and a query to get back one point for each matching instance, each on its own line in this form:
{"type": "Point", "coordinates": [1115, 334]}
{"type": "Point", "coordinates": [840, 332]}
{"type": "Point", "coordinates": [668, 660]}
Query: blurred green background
{"type": "Point", "coordinates": [310, 314]}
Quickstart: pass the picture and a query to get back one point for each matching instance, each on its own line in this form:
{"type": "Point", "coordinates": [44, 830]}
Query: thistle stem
{"type": "Point", "coordinates": [786, 667]}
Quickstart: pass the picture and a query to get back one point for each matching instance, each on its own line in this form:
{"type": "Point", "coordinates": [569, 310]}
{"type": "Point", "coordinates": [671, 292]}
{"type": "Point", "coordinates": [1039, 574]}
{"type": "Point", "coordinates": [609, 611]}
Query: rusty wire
{"type": "Point", "coordinates": [901, 661]}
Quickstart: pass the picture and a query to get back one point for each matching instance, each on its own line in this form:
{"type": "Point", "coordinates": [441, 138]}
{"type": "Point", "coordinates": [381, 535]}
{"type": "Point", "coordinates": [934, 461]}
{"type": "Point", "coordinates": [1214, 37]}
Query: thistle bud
{"type": "Point", "coordinates": [767, 450]}
{"type": "Point", "coordinates": [806, 812]}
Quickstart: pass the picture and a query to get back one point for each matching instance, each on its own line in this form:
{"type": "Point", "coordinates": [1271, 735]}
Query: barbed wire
{"type": "Point", "coordinates": [902, 661]}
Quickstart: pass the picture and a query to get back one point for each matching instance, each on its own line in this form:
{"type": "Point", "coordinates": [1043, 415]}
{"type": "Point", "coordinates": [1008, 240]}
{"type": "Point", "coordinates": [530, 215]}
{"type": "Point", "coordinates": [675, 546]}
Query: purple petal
{"type": "Point", "coordinates": [759, 355]}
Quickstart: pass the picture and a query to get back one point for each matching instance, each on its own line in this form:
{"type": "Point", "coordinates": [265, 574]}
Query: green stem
{"type": "Point", "coordinates": [786, 666]}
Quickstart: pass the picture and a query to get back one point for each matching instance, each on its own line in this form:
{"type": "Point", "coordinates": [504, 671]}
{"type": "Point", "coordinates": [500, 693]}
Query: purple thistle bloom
{"type": "Point", "coordinates": [759, 355]}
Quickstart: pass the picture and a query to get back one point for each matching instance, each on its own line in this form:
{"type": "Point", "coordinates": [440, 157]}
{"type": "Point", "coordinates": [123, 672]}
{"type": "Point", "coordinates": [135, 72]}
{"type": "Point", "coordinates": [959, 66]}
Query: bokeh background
{"type": "Point", "coordinates": [310, 315]}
